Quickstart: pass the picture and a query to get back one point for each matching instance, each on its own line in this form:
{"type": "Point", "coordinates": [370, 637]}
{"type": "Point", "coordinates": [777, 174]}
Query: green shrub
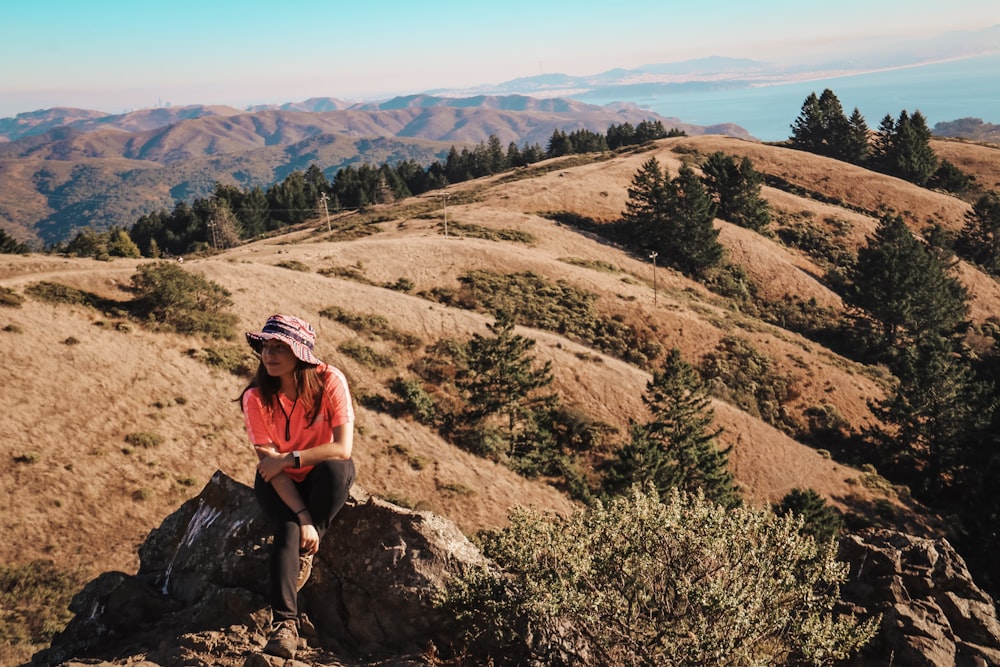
{"type": "Point", "coordinates": [235, 359]}
{"type": "Point", "coordinates": [144, 439]}
{"type": "Point", "coordinates": [365, 355]}
{"type": "Point", "coordinates": [414, 400]}
{"type": "Point", "coordinates": [558, 307]}
{"type": "Point", "coordinates": [177, 300]}
{"type": "Point", "coordinates": [373, 324]}
{"type": "Point", "coordinates": [58, 293]}
{"type": "Point", "coordinates": [648, 582]}
{"type": "Point", "coordinates": [819, 519]}
{"type": "Point", "coordinates": [13, 328]}
{"type": "Point", "coordinates": [739, 374]}
{"type": "Point", "coordinates": [294, 265]}
{"type": "Point", "coordinates": [10, 298]}
{"type": "Point", "coordinates": [479, 232]}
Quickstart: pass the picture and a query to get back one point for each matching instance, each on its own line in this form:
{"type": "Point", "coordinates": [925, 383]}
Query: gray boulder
{"type": "Point", "coordinates": [199, 594]}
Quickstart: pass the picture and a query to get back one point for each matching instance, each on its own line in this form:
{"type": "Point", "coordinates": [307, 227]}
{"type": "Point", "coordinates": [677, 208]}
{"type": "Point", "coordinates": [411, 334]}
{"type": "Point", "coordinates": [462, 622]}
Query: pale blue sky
{"type": "Point", "coordinates": [115, 56]}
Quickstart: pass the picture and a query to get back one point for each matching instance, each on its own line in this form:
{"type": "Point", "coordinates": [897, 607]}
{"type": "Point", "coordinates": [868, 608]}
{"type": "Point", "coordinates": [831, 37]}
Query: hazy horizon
{"type": "Point", "coordinates": [115, 56]}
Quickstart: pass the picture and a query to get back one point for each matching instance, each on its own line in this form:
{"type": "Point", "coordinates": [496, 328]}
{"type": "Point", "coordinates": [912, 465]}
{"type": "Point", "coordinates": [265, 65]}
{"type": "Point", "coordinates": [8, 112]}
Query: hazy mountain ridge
{"type": "Point", "coordinates": [703, 73]}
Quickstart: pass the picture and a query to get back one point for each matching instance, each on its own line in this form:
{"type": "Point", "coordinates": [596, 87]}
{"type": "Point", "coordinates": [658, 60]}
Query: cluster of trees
{"type": "Point", "coordinates": [899, 147]}
{"type": "Point", "coordinates": [674, 217]}
{"type": "Point", "coordinates": [231, 215]}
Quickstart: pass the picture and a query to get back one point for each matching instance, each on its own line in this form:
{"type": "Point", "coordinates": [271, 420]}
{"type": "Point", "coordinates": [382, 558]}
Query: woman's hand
{"type": "Point", "coordinates": [309, 542]}
{"type": "Point", "coordinates": [272, 462]}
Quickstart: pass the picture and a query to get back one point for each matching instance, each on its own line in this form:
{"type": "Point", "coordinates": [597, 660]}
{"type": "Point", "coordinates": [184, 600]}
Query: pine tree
{"type": "Point", "coordinates": [979, 240]}
{"type": "Point", "coordinates": [646, 216]}
{"type": "Point", "coordinates": [883, 149]}
{"type": "Point", "coordinates": [913, 158]}
{"type": "Point", "coordinates": [931, 417]}
{"type": "Point", "coordinates": [905, 287]}
{"type": "Point", "coordinates": [676, 448]}
{"type": "Point", "coordinates": [808, 130]}
{"type": "Point", "coordinates": [819, 519]}
{"type": "Point", "coordinates": [834, 123]}
{"type": "Point", "coordinates": [736, 189]}
{"type": "Point", "coordinates": [11, 246]}
{"type": "Point", "coordinates": [502, 379]}
{"type": "Point", "coordinates": [693, 246]}
{"type": "Point", "coordinates": [856, 147]}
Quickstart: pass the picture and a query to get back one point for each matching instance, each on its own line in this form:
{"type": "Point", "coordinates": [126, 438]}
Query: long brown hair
{"type": "Point", "coordinates": [309, 386]}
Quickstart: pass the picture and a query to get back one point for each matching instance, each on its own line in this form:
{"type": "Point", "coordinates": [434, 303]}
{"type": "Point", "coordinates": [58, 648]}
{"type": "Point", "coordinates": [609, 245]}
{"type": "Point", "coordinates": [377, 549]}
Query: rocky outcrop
{"type": "Point", "coordinates": [933, 614]}
{"type": "Point", "coordinates": [198, 597]}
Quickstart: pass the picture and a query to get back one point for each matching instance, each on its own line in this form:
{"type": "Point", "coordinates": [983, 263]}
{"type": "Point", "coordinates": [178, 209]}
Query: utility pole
{"type": "Point", "coordinates": [446, 214]}
{"type": "Point", "coordinates": [652, 256]}
{"type": "Point", "coordinates": [326, 211]}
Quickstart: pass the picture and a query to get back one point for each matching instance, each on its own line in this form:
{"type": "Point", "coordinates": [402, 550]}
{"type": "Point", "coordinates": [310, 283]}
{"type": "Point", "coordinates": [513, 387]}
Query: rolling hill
{"type": "Point", "coordinates": [78, 383]}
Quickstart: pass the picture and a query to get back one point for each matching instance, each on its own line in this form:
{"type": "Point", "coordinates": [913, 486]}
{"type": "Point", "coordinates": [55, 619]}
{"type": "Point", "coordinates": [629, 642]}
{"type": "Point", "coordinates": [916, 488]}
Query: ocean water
{"type": "Point", "coordinates": [941, 92]}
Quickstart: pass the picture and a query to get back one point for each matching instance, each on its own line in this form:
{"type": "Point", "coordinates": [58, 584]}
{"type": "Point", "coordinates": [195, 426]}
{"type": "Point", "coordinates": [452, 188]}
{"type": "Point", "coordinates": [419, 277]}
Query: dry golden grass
{"type": "Point", "coordinates": [79, 494]}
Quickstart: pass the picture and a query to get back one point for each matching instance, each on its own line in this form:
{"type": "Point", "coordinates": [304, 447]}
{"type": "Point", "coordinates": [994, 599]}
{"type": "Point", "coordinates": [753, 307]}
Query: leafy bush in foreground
{"type": "Point", "coordinates": [648, 582]}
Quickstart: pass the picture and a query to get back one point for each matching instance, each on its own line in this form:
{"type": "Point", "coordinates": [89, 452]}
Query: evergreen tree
{"type": "Point", "coordinates": [912, 157]}
{"type": "Point", "coordinates": [694, 245]}
{"type": "Point", "coordinates": [496, 158]}
{"type": "Point", "coordinates": [674, 217]}
{"type": "Point", "coordinates": [905, 288]}
{"type": "Point", "coordinates": [808, 129]}
{"type": "Point", "coordinates": [979, 241]}
{"type": "Point", "coordinates": [620, 135]}
{"type": "Point", "coordinates": [289, 201]}
{"type": "Point", "coordinates": [736, 189]}
{"type": "Point", "coordinates": [253, 213]}
{"type": "Point", "coordinates": [883, 150]}
{"type": "Point", "coordinates": [88, 243]}
{"type": "Point", "coordinates": [931, 417]}
{"type": "Point", "coordinates": [315, 183]}
{"type": "Point", "coordinates": [11, 246]}
{"type": "Point", "coordinates": [120, 244]}
{"type": "Point", "coordinates": [835, 125]}
{"type": "Point", "coordinates": [819, 519]}
{"type": "Point", "coordinates": [856, 149]}
{"type": "Point", "coordinates": [676, 448]}
{"type": "Point", "coordinates": [647, 210]}
{"type": "Point", "coordinates": [559, 144]}
{"type": "Point", "coordinates": [501, 379]}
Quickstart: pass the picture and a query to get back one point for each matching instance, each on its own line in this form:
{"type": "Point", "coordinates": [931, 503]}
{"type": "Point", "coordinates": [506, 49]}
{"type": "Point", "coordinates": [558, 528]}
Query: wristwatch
{"type": "Point", "coordinates": [297, 457]}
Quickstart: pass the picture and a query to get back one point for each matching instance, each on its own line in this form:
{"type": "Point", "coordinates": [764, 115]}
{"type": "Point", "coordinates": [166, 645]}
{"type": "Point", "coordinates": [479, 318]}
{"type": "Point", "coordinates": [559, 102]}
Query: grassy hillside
{"type": "Point", "coordinates": [78, 384]}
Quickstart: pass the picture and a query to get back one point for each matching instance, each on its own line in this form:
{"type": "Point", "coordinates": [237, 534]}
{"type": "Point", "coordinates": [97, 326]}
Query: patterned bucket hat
{"type": "Point", "coordinates": [298, 334]}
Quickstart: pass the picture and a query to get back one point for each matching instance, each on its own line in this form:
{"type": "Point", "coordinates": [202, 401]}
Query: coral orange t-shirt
{"type": "Point", "coordinates": [267, 426]}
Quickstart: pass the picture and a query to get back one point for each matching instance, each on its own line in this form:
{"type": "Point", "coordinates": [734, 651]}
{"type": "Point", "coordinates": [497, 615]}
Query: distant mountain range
{"type": "Point", "coordinates": [65, 169]}
{"type": "Point", "coordinates": [62, 170]}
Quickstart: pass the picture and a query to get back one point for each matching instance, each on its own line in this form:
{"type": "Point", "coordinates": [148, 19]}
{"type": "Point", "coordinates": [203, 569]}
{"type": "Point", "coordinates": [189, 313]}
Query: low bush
{"type": "Point", "coordinates": [644, 581]}
{"type": "Point", "coordinates": [10, 298]}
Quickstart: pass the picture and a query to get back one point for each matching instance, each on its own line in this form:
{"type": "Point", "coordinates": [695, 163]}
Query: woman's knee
{"type": "Point", "coordinates": [338, 473]}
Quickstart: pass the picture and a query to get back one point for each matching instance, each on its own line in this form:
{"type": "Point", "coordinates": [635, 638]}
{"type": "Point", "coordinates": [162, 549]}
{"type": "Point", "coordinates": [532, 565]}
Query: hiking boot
{"type": "Point", "coordinates": [283, 639]}
{"type": "Point", "coordinates": [305, 569]}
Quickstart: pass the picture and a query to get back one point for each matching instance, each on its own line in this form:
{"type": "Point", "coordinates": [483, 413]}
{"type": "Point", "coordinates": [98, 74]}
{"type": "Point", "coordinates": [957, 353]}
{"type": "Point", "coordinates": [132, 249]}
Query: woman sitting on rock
{"type": "Point", "coordinates": [300, 420]}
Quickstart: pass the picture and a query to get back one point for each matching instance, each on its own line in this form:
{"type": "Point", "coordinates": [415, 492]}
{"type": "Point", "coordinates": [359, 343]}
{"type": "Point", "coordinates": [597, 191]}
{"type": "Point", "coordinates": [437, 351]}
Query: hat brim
{"type": "Point", "coordinates": [301, 352]}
